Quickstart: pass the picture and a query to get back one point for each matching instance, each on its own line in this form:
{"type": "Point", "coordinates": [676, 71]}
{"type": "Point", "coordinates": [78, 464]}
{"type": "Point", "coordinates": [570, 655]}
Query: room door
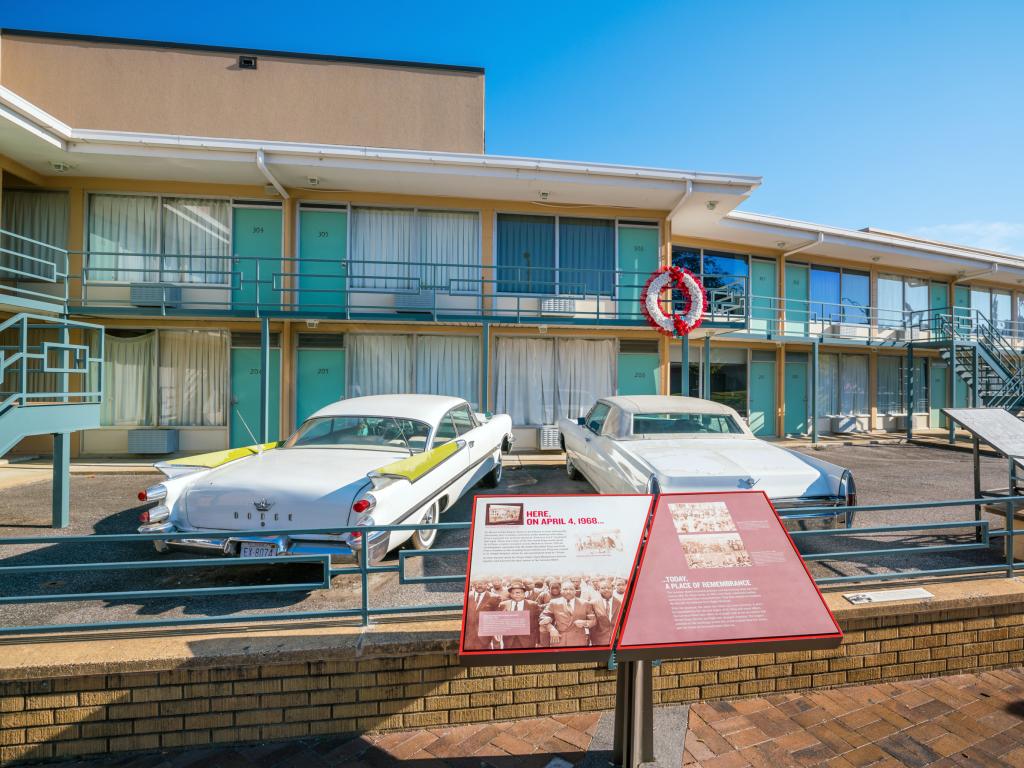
{"type": "Point", "coordinates": [320, 380]}
{"type": "Point", "coordinates": [795, 421]}
{"type": "Point", "coordinates": [797, 297]}
{"type": "Point", "coordinates": [323, 235]}
{"type": "Point", "coordinates": [256, 269]}
{"type": "Point", "coordinates": [638, 373]}
{"type": "Point", "coordinates": [245, 395]}
{"type": "Point", "coordinates": [762, 398]}
{"type": "Point", "coordinates": [638, 258]}
{"type": "Point", "coordinates": [763, 286]}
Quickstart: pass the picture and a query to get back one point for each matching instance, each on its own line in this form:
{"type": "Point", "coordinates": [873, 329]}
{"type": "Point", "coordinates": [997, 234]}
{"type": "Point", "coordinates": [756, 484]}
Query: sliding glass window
{"type": "Point", "coordinates": [855, 296]}
{"type": "Point", "coordinates": [586, 257]}
{"type": "Point", "coordinates": [724, 275]}
{"type": "Point", "coordinates": [152, 239]}
{"type": "Point", "coordinates": [826, 295]}
{"type": "Point", "coordinates": [526, 254]}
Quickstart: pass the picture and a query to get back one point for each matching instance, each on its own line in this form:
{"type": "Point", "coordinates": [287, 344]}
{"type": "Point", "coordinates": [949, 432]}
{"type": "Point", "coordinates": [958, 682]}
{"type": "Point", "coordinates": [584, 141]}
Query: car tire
{"type": "Point", "coordinates": [492, 478]}
{"type": "Point", "coordinates": [570, 469]}
{"type": "Point", "coordinates": [425, 539]}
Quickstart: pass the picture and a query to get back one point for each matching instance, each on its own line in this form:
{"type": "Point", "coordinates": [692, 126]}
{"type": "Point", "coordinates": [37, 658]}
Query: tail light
{"type": "Point", "coordinates": [364, 505]}
{"type": "Point", "coordinates": [157, 514]}
{"type": "Point", "coordinates": [153, 493]}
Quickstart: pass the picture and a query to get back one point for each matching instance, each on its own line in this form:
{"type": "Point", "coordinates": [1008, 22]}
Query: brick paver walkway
{"type": "Point", "coordinates": [963, 720]}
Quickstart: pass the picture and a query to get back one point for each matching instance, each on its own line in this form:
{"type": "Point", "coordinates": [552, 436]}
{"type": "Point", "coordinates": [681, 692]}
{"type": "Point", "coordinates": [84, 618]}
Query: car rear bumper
{"type": "Point", "coordinates": [342, 548]}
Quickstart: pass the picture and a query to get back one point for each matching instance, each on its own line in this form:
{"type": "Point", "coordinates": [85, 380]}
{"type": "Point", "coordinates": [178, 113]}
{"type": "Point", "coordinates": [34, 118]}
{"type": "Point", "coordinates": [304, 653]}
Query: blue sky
{"type": "Point", "coordinates": [902, 115]}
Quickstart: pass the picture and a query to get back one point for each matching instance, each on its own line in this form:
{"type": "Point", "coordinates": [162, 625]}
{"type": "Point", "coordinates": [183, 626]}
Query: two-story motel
{"type": "Point", "coordinates": [318, 227]}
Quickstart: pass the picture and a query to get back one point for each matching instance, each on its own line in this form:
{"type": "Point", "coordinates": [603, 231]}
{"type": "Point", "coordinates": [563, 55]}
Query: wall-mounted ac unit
{"type": "Point", "coordinates": [156, 441]}
{"type": "Point", "coordinates": [558, 306]}
{"type": "Point", "coordinates": [421, 301]}
{"type": "Point", "coordinates": [155, 295]}
{"type": "Point", "coordinates": [548, 438]}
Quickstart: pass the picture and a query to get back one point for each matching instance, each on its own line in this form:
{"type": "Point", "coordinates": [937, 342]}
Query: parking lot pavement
{"type": "Point", "coordinates": [945, 722]}
{"type": "Point", "coordinates": [106, 504]}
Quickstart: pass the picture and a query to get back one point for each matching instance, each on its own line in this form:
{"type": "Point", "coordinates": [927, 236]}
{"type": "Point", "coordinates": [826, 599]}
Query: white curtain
{"type": "Point", "coordinates": [193, 378]}
{"type": "Point", "coordinates": [128, 379]}
{"type": "Point", "coordinates": [853, 398]}
{"type": "Point", "coordinates": [123, 239]}
{"type": "Point", "coordinates": [890, 391]}
{"type": "Point", "coordinates": [449, 247]}
{"type": "Point", "coordinates": [524, 380]}
{"type": "Point", "coordinates": [41, 216]}
{"type": "Point", "coordinates": [448, 365]}
{"type": "Point", "coordinates": [379, 364]}
{"type": "Point", "coordinates": [196, 234]}
{"type": "Point", "coordinates": [828, 385]}
{"type": "Point", "coordinates": [385, 237]}
{"type": "Point", "coordinates": [585, 372]}
{"type": "Point", "coordinates": [890, 301]}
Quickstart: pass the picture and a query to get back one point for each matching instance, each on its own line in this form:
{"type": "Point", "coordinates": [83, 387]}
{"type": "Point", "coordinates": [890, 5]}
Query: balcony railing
{"type": "Point", "coordinates": [360, 289]}
{"type": "Point", "coordinates": [33, 274]}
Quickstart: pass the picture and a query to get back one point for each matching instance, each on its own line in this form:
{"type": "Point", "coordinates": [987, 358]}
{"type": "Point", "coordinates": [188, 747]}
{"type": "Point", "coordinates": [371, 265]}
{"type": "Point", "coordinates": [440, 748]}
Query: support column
{"type": "Point", "coordinates": [61, 501]}
{"type": "Point", "coordinates": [951, 397]}
{"type": "Point", "coordinates": [975, 389]}
{"type": "Point", "coordinates": [910, 390]}
{"type": "Point", "coordinates": [684, 379]}
{"type": "Point", "coordinates": [264, 379]}
{"type": "Point", "coordinates": [706, 366]}
{"type": "Point", "coordinates": [485, 366]}
{"type": "Point", "coordinates": [814, 392]}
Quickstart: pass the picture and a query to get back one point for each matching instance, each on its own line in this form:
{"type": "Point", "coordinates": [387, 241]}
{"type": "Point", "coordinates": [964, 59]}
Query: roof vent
{"type": "Point", "coordinates": [247, 62]}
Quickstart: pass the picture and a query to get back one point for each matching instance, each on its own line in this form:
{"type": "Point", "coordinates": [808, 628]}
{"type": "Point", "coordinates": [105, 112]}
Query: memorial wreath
{"type": "Point", "coordinates": [694, 301]}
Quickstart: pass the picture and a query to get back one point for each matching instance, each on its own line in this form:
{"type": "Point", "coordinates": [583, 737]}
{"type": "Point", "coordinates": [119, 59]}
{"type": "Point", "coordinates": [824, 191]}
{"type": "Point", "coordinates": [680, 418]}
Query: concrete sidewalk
{"type": "Point", "coordinates": [962, 720]}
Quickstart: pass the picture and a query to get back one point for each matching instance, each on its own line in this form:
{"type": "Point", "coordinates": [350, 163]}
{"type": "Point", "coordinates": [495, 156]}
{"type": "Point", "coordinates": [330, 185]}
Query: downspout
{"type": "Point", "coordinates": [679, 205]}
{"type": "Point", "coordinates": [261, 163]}
{"type": "Point", "coordinates": [818, 241]}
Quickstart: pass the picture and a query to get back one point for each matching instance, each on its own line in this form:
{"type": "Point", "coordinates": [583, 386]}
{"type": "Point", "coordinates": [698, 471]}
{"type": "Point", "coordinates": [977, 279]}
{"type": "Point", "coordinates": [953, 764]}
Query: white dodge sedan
{"type": "Point", "coordinates": [383, 460]}
{"type": "Point", "coordinates": [655, 444]}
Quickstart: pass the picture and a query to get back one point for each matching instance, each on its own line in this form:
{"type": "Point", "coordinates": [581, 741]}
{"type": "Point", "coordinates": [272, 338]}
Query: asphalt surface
{"type": "Point", "coordinates": [106, 504]}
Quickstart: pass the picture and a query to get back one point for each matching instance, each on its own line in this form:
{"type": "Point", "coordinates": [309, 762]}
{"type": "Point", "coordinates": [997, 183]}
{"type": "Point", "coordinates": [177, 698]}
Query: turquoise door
{"type": "Point", "coordinates": [763, 286]}
{"type": "Point", "coordinates": [322, 238]}
{"type": "Point", "coordinates": [938, 375]}
{"type": "Point", "coordinates": [762, 398]}
{"type": "Point", "coordinates": [795, 421]}
{"type": "Point", "coordinates": [256, 243]}
{"type": "Point", "coordinates": [320, 380]}
{"type": "Point", "coordinates": [938, 303]}
{"type": "Point", "coordinates": [638, 373]}
{"type": "Point", "coordinates": [245, 396]}
{"type": "Point", "coordinates": [797, 297]}
{"type": "Point", "coordinates": [962, 306]}
{"type": "Point", "coordinates": [638, 258]}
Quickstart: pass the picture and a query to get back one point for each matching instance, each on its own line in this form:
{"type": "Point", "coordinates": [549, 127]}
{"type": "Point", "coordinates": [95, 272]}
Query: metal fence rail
{"type": "Point", "coordinates": [984, 536]}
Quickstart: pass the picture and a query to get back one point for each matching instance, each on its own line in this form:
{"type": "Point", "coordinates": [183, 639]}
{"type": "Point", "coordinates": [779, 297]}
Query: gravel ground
{"type": "Point", "coordinates": [106, 504]}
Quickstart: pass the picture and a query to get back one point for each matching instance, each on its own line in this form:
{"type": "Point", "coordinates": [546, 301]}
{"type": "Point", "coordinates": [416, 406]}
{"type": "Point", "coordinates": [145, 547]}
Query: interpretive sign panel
{"type": "Point", "coordinates": [721, 576]}
{"type": "Point", "coordinates": [548, 574]}
{"type": "Point", "coordinates": [996, 426]}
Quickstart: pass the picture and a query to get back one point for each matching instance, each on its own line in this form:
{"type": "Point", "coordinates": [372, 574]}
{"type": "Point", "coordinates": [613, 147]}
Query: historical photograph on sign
{"type": "Point", "coordinates": [504, 514]}
{"type": "Point", "coordinates": [556, 577]}
{"type": "Point", "coordinates": [702, 517]}
{"type": "Point", "coordinates": [600, 542]}
{"type": "Point", "coordinates": [715, 550]}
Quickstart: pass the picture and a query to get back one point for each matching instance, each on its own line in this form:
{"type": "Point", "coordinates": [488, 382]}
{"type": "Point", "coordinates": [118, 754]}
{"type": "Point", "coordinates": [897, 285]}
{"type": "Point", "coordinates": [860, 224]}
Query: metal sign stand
{"type": "Point", "coordinates": [634, 714]}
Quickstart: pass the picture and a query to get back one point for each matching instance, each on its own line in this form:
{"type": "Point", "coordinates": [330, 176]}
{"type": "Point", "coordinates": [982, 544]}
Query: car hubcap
{"type": "Point", "coordinates": [427, 534]}
{"type": "Point", "coordinates": [569, 468]}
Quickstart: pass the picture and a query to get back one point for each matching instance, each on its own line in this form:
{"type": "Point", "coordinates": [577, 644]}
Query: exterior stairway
{"type": "Point", "coordinates": [51, 377]}
{"type": "Point", "coordinates": [984, 359]}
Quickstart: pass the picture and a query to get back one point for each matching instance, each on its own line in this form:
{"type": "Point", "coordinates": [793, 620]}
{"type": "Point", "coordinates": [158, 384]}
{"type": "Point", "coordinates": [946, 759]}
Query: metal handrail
{"type": "Point", "coordinates": [16, 260]}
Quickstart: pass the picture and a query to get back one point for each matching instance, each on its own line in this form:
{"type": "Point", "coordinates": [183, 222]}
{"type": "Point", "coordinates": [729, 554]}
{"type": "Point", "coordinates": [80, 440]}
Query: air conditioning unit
{"type": "Point", "coordinates": [155, 295]}
{"type": "Point", "coordinates": [558, 306]}
{"type": "Point", "coordinates": [421, 301]}
{"type": "Point", "coordinates": [155, 441]}
{"type": "Point", "coordinates": [548, 438]}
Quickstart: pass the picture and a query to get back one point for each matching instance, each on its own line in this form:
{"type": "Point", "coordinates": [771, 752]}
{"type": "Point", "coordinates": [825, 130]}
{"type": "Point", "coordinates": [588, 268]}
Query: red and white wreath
{"type": "Point", "coordinates": [694, 301]}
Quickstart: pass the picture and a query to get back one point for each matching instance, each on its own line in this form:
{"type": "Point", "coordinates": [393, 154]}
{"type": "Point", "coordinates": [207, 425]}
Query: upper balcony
{"type": "Point", "coordinates": [33, 275]}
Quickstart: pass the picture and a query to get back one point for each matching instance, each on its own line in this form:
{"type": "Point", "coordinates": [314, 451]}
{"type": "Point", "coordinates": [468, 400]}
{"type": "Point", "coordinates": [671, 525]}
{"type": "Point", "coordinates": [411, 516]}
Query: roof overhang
{"type": "Point", "coordinates": [38, 141]}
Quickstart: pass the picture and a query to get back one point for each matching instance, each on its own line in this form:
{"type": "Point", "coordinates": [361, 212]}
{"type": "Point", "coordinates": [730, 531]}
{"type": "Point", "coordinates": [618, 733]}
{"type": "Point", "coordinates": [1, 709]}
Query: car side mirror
{"type": "Point", "coordinates": [581, 420]}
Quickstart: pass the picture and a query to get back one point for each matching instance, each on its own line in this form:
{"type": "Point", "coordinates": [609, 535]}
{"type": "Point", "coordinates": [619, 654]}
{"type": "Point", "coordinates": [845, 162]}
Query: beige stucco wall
{"type": "Point", "coordinates": [112, 86]}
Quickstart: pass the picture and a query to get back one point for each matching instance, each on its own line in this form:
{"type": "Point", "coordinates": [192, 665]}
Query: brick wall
{"type": "Point", "coordinates": [64, 716]}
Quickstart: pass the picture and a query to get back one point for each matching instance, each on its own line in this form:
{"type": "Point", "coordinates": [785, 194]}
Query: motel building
{"type": "Point", "coordinates": [223, 241]}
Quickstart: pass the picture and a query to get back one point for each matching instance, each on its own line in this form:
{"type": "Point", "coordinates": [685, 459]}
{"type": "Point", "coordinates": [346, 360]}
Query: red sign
{"type": "Point", "coordinates": [720, 575]}
{"type": "Point", "coordinates": [548, 574]}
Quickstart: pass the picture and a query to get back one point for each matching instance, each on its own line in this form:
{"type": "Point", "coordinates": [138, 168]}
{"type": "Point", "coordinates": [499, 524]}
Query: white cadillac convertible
{"type": "Point", "coordinates": [383, 460]}
{"type": "Point", "coordinates": [655, 444]}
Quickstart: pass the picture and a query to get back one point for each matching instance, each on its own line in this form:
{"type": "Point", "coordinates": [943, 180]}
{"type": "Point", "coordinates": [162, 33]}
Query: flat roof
{"type": "Point", "coordinates": [240, 50]}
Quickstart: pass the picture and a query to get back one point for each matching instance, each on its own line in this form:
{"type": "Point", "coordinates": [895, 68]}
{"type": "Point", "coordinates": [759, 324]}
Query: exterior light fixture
{"type": "Point", "coordinates": [312, 323]}
{"type": "Point", "coordinates": [59, 166]}
{"type": "Point", "coordinates": [543, 195]}
{"type": "Point", "coordinates": [313, 181]}
{"type": "Point", "coordinates": [712, 204]}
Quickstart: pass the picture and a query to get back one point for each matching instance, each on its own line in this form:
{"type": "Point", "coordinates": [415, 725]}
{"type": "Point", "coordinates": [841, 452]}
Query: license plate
{"type": "Point", "coordinates": [251, 549]}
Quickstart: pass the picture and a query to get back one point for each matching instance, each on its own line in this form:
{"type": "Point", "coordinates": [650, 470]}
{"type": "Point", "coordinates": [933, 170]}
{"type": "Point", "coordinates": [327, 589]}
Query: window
{"type": "Point", "coordinates": [526, 254]}
{"type": "Point", "coordinates": [595, 421]}
{"type": "Point", "coordinates": [855, 296]}
{"type": "Point", "coordinates": [843, 385]}
{"type": "Point", "coordinates": [446, 431]}
{"type": "Point", "coordinates": [901, 300]}
{"type": "Point", "coordinates": [41, 216]}
{"type": "Point", "coordinates": [410, 250]}
{"type": "Point", "coordinates": [463, 418]}
{"type": "Point", "coordinates": [579, 261]}
{"type": "Point", "coordinates": [685, 424]}
{"type": "Point", "coordinates": [165, 378]}
{"type": "Point", "coordinates": [361, 433]}
{"type": "Point", "coordinates": [136, 238]}
{"type": "Point", "coordinates": [826, 296]}
{"type": "Point", "coordinates": [723, 274]}
{"type": "Point", "coordinates": [892, 385]}
{"type": "Point", "coordinates": [1001, 312]}
{"type": "Point", "coordinates": [393, 364]}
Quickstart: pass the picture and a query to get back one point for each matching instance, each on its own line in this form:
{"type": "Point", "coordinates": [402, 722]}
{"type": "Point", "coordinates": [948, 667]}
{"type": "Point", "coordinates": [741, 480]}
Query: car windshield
{"type": "Point", "coordinates": [685, 424]}
{"type": "Point", "coordinates": [362, 432]}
